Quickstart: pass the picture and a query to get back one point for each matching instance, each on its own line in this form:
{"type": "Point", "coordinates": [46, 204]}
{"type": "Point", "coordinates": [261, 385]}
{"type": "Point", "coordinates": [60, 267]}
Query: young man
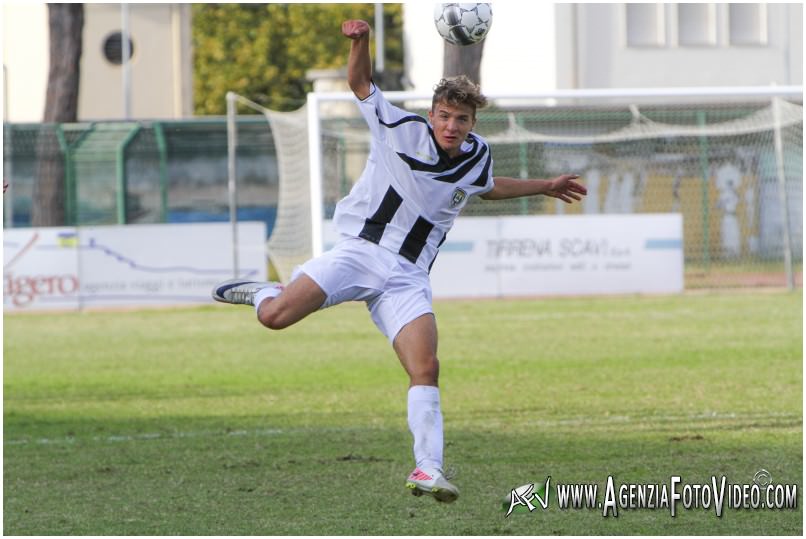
{"type": "Point", "coordinates": [418, 176]}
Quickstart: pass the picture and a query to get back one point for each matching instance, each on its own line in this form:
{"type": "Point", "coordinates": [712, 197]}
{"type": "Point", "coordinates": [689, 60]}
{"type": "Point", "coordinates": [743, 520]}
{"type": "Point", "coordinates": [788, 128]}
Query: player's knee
{"type": "Point", "coordinates": [426, 372]}
{"type": "Point", "coordinates": [272, 317]}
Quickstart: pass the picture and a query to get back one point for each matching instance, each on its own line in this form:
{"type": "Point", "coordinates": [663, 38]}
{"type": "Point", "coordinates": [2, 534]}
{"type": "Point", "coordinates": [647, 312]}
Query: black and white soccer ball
{"type": "Point", "coordinates": [463, 24]}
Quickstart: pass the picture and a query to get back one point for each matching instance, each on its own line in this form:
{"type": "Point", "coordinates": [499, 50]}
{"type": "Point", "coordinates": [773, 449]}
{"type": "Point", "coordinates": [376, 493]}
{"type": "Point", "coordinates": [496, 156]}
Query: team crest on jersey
{"type": "Point", "coordinates": [458, 196]}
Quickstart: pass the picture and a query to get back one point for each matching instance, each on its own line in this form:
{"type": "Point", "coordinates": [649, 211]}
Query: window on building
{"type": "Point", "coordinates": [113, 48]}
{"type": "Point", "coordinates": [748, 24]}
{"type": "Point", "coordinates": [696, 24]}
{"type": "Point", "coordinates": [645, 25]}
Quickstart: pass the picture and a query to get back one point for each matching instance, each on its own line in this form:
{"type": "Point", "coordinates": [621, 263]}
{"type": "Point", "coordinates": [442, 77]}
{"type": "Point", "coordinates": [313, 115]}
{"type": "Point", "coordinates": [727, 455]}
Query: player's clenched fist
{"type": "Point", "coordinates": [355, 29]}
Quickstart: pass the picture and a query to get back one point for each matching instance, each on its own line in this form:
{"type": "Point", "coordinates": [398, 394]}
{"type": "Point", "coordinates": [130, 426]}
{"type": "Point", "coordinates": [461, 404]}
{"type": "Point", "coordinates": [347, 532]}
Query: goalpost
{"type": "Point", "coordinates": [728, 159]}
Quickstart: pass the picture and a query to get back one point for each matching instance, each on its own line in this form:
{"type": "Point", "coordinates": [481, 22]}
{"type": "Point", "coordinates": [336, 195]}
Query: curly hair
{"type": "Point", "coordinates": [458, 90]}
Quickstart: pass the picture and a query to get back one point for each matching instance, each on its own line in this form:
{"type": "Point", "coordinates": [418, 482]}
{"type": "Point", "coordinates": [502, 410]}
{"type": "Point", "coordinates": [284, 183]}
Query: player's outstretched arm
{"type": "Point", "coordinates": [359, 64]}
{"type": "Point", "coordinates": [564, 187]}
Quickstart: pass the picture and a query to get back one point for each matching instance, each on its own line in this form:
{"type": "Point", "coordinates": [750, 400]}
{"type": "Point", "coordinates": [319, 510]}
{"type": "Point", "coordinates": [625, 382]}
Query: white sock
{"type": "Point", "coordinates": [425, 423]}
{"type": "Point", "coordinates": [268, 292]}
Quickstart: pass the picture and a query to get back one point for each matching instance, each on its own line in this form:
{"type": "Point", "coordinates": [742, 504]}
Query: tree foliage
{"type": "Point", "coordinates": [263, 51]}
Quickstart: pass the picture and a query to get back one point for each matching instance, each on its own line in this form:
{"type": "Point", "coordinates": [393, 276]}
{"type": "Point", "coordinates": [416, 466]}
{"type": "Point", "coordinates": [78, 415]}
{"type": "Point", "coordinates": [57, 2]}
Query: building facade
{"type": "Point", "coordinates": [541, 46]}
{"type": "Point", "coordinates": [674, 45]}
{"type": "Point", "coordinates": [161, 62]}
{"type": "Point", "coordinates": [161, 67]}
{"type": "Point", "coordinates": [532, 47]}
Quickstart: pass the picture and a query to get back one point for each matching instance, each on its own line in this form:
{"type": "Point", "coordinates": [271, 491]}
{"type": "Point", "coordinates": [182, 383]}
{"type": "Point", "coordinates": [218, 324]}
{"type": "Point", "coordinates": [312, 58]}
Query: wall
{"type": "Point", "coordinates": [160, 84]}
{"type": "Point", "coordinates": [604, 59]}
{"type": "Point", "coordinates": [162, 76]}
{"type": "Point", "coordinates": [25, 61]}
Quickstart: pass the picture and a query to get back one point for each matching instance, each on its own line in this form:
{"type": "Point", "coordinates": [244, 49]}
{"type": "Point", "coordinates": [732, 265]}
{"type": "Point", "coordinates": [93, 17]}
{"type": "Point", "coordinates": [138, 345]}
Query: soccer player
{"type": "Point", "coordinates": [419, 175]}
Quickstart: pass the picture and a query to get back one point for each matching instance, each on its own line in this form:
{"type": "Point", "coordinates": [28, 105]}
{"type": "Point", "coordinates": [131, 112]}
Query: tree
{"type": "Point", "coordinates": [263, 51]}
{"type": "Point", "coordinates": [463, 60]}
{"type": "Point", "coordinates": [66, 23]}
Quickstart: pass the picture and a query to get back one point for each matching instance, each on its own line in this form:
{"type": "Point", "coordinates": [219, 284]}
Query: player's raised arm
{"type": "Point", "coordinates": [359, 64]}
{"type": "Point", "coordinates": [564, 187]}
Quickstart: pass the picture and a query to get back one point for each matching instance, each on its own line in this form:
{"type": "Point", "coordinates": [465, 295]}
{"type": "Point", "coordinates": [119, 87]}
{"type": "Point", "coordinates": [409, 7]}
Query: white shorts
{"type": "Point", "coordinates": [395, 290]}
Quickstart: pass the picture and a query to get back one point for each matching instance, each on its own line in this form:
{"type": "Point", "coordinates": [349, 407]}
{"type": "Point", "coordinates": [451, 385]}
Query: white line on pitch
{"type": "Point", "coordinates": [570, 421]}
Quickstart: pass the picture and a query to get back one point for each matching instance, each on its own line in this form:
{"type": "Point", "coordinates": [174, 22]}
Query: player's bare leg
{"type": "Point", "coordinates": [277, 307]}
{"type": "Point", "coordinates": [416, 347]}
{"type": "Point", "coordinates": [299, 299]}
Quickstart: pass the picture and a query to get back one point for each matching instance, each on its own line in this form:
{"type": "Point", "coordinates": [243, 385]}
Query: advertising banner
{"type": "Point", "coordinates": [557, 255]}
{"type": "Point", "coordinates": [561, 255]}
{"type": "Point", "coordinates": [161, 264]}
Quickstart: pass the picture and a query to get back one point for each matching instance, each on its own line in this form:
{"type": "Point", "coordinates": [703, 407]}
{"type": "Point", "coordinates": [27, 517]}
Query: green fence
{"type": "Point", "coordinates": [716, 164]}
{"type": "Point", "coordinates": [135, 172]}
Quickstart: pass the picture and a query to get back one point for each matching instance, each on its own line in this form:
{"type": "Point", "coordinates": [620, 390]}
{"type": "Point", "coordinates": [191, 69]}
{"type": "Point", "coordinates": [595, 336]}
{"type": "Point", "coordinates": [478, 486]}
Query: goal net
{"type": "Point", "coordinates": [289, 243]}
{"type": "Point", "coordinates": [728, 160]}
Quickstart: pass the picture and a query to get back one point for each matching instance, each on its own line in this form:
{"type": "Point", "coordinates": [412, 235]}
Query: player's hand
{"type": "Point", "coordinates": [566, 188]}
{"type": "Point", "coordinates": [355, 29]}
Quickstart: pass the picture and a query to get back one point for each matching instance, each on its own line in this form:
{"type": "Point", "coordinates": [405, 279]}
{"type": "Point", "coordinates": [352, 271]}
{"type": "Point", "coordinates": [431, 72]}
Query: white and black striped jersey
{"type": "Point", "coordinates": [410, 191]}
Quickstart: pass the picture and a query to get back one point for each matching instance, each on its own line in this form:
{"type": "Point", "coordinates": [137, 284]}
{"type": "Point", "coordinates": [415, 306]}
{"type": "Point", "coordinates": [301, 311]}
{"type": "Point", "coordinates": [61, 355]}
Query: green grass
{"type": "Point", "coordinates": [200, 422]}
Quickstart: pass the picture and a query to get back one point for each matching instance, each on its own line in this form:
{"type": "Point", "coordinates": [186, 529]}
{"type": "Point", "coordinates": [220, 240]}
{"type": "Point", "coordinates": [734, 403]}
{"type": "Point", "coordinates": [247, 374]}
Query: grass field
{"type": "Point", "coordinates": [198, 421]}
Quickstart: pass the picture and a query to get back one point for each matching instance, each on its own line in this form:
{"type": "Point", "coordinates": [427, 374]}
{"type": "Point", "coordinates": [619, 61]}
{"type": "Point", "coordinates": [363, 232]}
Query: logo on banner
{"type": "Point", "coordinates": [23, 289]}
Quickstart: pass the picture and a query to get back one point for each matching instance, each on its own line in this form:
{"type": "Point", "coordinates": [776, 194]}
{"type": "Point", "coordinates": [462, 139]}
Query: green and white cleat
{"type": "Point", "coordinates": [240, 291]}
{"type": "Point", "coordinates": [433, 483]}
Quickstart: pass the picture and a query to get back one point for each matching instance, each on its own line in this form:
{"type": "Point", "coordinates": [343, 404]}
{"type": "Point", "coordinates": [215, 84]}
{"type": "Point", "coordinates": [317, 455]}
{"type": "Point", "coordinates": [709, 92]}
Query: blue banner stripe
{"type": "Point", "coordinates": [457, 246]}
{"type": "Point", "coordinates": [664, 243]}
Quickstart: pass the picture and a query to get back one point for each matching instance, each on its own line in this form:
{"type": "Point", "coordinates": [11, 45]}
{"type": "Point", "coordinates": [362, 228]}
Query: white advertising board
{"type": "Point", "coordinates": [558, 255]}
{"type": "Point", "coordinates": [163, 264]}
{"type": "Point", "coordinates": [561, 255]}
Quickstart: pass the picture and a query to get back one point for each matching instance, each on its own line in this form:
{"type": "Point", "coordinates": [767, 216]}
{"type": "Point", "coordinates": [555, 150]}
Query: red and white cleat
{"type": "Point", "coordinates": [433, 483]}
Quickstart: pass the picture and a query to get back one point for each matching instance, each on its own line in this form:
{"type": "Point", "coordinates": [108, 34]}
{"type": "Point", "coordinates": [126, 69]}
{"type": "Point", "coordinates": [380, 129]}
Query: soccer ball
{"type": "Point", "coordinates": [463, 24]}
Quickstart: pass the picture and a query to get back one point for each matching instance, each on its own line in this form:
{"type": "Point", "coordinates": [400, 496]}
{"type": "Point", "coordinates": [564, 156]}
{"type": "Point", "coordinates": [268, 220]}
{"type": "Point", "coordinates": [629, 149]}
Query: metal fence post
{"type": "Point", "coordinates": [120, 163]}
{"type": "Point", "coordinates": [162, 147]}
{"type": "Point", "coordinates": [70, 195]}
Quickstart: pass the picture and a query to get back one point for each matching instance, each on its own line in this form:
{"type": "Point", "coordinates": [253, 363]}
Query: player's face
{"type": "Point", "coordinates": [451, 125]}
